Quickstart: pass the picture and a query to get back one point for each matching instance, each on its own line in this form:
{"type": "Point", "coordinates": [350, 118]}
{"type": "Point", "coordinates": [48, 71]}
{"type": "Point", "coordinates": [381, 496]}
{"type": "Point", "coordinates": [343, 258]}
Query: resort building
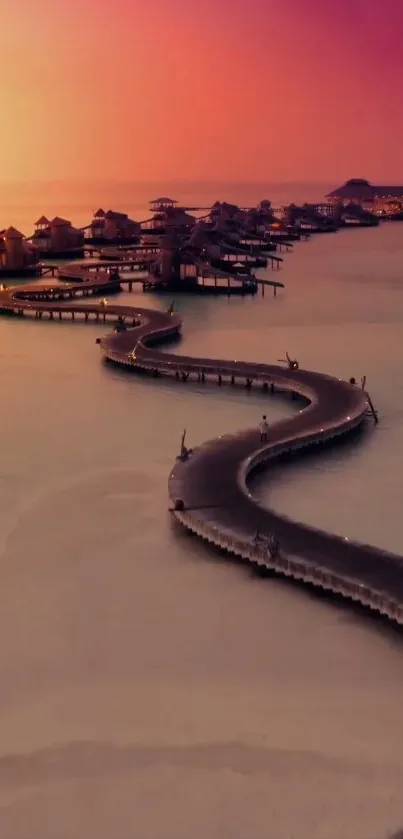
{"type": "Point", "coordinates": [175, 264]}
{"type": "Point", "coordinates": [223, 210]}
{"type": "Point", "coordinates": [112, 226]}
{"type": "Point", "coordinates": [57, 237]}
{"type": "Point", "coordinates": [168, 217]}
{"type": "Point", "coordinates": [178, 218]}
{"type": "Point", "coordinates": [205, 241]}
{"type": "Point", "coordinates": [382, 200]}
{"type": "Point", "coordinates": [259, 220]}
{"type": "Point", "coordinates": [15, 253]}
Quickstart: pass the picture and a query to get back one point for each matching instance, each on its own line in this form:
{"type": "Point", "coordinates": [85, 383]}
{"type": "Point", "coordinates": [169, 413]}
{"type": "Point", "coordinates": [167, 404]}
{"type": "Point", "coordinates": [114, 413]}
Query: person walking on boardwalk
{"type": "Point", "coordinates": [264, 427]}
{"type": "Point", "coordinates": [273, 546]}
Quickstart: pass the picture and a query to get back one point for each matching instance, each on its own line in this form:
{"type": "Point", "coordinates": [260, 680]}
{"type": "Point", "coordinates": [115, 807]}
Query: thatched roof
{"type": "Point", "coordinates": [360, 189]}
{"type": "Point", "coordinates": [113, 214]}
{"type": "Point", "coordinates": [12, 233]}
{"type": "Point", "coordinates": [163, 201]}
{"type": "Point", "coordinates": [59, 222]}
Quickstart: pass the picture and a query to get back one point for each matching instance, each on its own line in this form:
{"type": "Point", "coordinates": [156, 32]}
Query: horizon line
{"type": "Point", "coordinates": [119, 182]}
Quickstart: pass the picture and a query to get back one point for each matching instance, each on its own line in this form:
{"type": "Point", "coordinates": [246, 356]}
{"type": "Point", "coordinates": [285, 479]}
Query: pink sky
{"type": "Point", "coordinates": [221, 89]}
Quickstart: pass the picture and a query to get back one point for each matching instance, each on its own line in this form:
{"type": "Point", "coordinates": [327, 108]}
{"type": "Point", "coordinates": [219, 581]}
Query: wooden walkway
{"type": "Point", "coordinates": [79, 270]}
{"type": "Point", "coordinates": [223, 511]}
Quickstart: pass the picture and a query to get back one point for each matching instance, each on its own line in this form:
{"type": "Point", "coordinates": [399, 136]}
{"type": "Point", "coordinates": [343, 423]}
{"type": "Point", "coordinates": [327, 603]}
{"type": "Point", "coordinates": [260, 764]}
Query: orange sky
{"type": "Point", "coordinates": [224, 89]}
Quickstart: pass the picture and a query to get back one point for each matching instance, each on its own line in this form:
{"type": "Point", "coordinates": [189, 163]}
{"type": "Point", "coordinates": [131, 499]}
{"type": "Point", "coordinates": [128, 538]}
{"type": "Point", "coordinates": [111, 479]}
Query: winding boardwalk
{"type": "Point", "coordinates": [210, 488]}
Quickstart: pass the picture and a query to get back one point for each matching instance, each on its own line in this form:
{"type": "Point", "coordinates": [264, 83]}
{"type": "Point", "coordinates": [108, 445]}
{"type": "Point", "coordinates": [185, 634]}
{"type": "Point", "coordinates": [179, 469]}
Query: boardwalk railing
{"type": "Point", "coordinates": [298, 569]}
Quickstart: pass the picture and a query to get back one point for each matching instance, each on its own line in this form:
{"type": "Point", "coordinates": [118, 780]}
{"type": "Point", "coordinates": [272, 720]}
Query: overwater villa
{"type": "Point", "coordinates": [57, 238]}
{"type": "Point", "coordinates": [224, 210]}
{"type": "Point", "coordinates": [175, 266]}
{"type": "Point", "coordinates": [309, 218]}
{"type": "Point", "coordinates": [113, 227]}
{"type": "Point", "coordinates": [178, 218]}
{"type": "Point", "coordinates": [235, 248]}
{"type": "Point", "coordinates": [192, 266]}
{"type": "Point", "coordinates": [354, 215]}
{"type": "Point", "coordinates": [168, 217]}
{"type": "Point", "coordinates": [258, 221]}
{"type": "Point", "coordinates": [382, 200]}
{"type": "Point", "coordinates": [17, 256]}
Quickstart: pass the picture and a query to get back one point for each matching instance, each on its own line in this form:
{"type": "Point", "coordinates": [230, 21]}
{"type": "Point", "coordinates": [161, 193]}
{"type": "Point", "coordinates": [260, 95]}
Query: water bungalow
{"type": "Point", "coordinates": [353, 215]}
{"type": "Point", "coordinates": [194, 265]}
{"type": "Point", "coordinates": [112, 227]}
{"type": "Point", "coordinates": [168, 217]}
{"type": "Point", "coordinates": [309, 218]}
{"type": "Point", "coordinates": [179, 219]}
{"type": "Point", "coordinates": [57, 238]}
{"type": "Point", "coordinates": [17, 257]}
{"type": "Point", "coordinates": [258, 221]}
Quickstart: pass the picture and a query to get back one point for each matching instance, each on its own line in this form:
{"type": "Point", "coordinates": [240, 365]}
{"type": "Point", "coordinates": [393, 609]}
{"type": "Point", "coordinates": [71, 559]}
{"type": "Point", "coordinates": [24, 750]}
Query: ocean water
{"type": "Point", "coordinates": [148, 688]}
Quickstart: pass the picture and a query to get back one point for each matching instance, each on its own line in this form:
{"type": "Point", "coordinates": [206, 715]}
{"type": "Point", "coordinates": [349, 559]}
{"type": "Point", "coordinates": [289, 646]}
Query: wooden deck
{"type": "Point", "coordinates": [223, 511]}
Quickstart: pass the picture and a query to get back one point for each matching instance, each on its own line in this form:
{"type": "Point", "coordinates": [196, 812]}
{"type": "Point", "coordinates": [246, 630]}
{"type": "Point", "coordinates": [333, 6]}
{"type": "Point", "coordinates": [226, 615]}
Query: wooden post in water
{"type": "Point", "coordinates": [372, 409]}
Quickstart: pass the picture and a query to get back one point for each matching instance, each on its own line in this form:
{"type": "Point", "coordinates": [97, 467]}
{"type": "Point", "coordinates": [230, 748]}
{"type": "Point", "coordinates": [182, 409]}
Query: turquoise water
{"type": "Point", "coordinates": [143, 680]}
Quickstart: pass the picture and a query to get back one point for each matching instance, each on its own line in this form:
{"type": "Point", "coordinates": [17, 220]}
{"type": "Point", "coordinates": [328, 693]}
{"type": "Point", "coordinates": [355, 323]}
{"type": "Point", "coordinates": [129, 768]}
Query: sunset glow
{"type": "Point", "coordinates": [224, 89]}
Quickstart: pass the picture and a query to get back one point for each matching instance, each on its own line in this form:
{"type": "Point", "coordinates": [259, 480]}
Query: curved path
{"type": "Point", "coordinates": [211, 485]}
